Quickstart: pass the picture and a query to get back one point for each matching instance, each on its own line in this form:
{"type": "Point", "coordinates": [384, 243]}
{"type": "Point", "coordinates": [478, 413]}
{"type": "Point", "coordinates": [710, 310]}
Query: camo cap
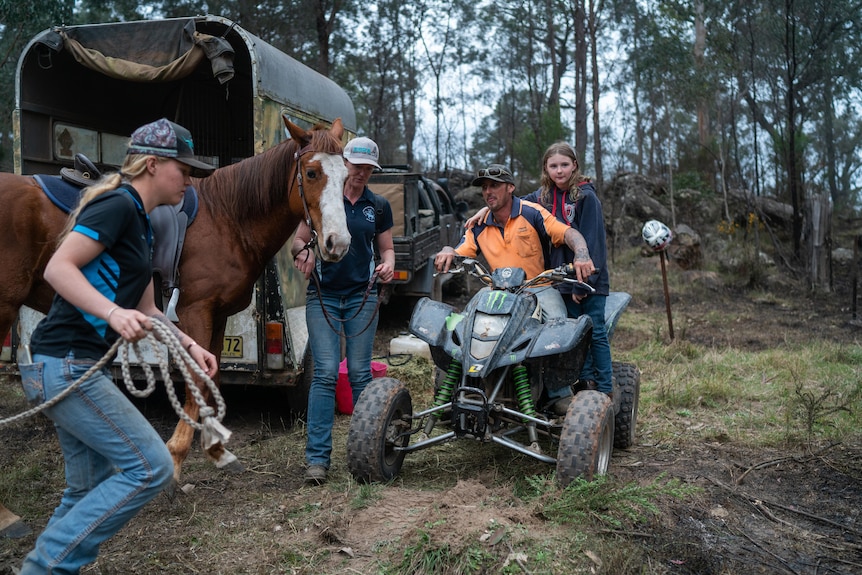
{"type": "Point", "coordinates": [166, 139]}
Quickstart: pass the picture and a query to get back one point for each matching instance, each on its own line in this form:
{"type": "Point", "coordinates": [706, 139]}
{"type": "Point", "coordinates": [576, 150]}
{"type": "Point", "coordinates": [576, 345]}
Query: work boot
{"type": "Point", "coordinates": [561, 406]}
{"type": "Point", "coordinates": [585, 385]}
{"type": "Point", "coordinates": [315, 475]}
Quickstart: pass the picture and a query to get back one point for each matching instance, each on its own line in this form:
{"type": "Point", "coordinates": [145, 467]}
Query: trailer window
{"type": "Point", "coordinates": [114, 149]}
{"type": "Point", "coordinates": [70, 140]}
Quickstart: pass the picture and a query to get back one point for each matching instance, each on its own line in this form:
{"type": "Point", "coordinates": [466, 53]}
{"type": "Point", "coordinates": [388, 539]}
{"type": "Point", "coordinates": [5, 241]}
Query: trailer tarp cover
{"type": "Point", "coordinates": [132, 54]}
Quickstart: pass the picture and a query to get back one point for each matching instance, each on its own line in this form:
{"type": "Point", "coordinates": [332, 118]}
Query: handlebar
{"type": "Point", "coordinates": [565, 273]}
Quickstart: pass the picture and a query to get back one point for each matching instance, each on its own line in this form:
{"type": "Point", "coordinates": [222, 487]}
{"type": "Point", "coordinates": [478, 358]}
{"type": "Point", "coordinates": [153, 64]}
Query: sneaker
{"type": "Point", "coordinates": [561, 406]}
{"type": "Point", "coordinates": [315, 475]}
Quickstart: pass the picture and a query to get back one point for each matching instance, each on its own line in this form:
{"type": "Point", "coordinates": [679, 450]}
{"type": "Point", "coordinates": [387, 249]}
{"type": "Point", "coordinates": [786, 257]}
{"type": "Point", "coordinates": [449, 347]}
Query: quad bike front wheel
{"type": "Point", "coordinates": [380, 422]}
{"type": "Point", "coordinates": [628, 385]}
{"type": "Point", "coordinates": [586, 438]}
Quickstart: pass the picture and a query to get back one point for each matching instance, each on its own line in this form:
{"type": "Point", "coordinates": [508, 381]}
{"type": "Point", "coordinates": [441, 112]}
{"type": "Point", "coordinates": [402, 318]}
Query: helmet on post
{"type": "Point", "coordinates": [657, 235]}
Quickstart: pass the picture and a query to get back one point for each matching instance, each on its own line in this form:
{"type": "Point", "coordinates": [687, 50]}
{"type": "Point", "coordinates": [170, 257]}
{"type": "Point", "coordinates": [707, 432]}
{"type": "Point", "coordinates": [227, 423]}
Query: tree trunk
{"type": "Point", "coordinates": [791, 153]}
{"type": "Point", "coordinates": [699, 47]}
{"type": "Point", "coordinates": [580, 79]}
{"type": "Point", "coordinates": [597, 136]}
{"type": "Point", "coordinates": [324, 22]}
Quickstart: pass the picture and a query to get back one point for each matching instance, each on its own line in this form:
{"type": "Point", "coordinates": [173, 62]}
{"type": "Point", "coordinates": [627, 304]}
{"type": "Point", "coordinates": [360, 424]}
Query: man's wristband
{"type": "Point", "coordinates": [190, 345]}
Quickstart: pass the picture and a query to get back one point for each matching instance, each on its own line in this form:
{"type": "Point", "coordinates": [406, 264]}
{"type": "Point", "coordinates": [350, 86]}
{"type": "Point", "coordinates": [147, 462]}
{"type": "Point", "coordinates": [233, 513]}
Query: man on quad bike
{"type": "Point", "coordinates": [512, 234]}
{"type": "Point", "coordinates": [496, 362]}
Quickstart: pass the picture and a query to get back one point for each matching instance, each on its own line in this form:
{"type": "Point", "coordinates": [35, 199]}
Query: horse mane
{"type": "Point", "coordinates": [252, 188]}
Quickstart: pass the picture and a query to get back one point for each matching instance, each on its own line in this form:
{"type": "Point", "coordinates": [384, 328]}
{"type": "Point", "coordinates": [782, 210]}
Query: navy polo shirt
{"type": "Point", "coordinates": [121, 273]}
{"type": "Point", "coordinates": [369, 216]}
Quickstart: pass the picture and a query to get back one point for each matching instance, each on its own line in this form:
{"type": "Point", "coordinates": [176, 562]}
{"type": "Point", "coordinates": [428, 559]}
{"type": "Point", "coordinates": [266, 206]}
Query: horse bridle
{"type": "Point", "coordinates": [297, 160]}
{"type": "Point", "coordinates": [310, 245]}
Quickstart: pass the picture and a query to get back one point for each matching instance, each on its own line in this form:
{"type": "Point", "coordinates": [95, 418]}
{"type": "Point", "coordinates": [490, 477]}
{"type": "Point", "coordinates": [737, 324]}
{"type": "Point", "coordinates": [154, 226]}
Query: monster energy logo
{"type": "Point", "coordinates": [495, 299]}
{"type": "Point", "coordinates": [452, 320]}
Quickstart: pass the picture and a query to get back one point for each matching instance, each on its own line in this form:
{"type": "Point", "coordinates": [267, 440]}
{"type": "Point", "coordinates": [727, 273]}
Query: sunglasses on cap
{"type": "Point", "coordinates": [493, 172]}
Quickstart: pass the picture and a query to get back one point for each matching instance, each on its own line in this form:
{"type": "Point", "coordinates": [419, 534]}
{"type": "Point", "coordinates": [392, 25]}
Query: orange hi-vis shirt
{"type": "Point", "coordinates": [517, 244]}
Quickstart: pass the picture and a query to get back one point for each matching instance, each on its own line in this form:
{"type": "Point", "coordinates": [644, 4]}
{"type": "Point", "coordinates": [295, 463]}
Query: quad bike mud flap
{"type": "Point", "coordinates": [587, 438]}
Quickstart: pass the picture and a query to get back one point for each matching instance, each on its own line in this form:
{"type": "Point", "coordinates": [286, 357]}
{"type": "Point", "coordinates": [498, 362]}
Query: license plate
{"type": "Point", "coordinates": [232, 346]}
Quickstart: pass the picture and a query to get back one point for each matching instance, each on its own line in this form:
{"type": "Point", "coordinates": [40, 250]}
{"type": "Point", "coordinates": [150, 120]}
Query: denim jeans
{"type": "Point", "coordinates": [115, 462]}
{"type": "Point", "coordinates": [551, 302]}
{"type": "Point", "coordinates": [326, 348]}
{"type": "Point", "coordinates": [597, 366]}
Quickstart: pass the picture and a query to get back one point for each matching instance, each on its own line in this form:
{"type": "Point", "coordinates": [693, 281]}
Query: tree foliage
{"type": "Point", "coordinates": [761, 94]}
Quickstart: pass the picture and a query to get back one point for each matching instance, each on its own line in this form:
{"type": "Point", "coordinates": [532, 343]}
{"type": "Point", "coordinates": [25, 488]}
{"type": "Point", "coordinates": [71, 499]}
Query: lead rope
{"type": "Point", "coordinates": [211, 428]}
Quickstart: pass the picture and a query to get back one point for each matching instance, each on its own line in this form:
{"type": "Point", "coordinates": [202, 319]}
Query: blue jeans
{"type": "Point", "coordinates": [551, 302]}
{"type": "Point", "coordinates": [597, 366]}
{"type": "Point", "coordinates": [115, 462]}
{"type": "Point", "coordinates": [326, 348]}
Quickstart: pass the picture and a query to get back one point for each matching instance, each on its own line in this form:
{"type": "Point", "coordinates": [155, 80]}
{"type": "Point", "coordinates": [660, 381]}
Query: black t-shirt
{"type": "Point", "coordinates": [121, 273]}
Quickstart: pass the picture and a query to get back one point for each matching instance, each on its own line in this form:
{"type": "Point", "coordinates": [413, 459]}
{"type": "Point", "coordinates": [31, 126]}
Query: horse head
{"type": "Point", "coordinates": [321, 174]}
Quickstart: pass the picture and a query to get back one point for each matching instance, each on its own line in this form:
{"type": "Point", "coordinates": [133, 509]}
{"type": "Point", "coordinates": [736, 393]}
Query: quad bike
{"type": "Point", "coordinates": [494, 362]}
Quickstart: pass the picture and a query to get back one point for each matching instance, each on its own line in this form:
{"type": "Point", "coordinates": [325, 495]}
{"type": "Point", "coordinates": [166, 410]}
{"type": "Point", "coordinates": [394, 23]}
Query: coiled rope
{"type": "Point", "coordinates": [212, 431]}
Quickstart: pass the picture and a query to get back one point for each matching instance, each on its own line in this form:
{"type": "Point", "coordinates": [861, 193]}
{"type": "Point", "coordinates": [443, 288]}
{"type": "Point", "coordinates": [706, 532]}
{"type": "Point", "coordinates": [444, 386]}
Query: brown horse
{"type": "Point", "coordinates": [247, 212]}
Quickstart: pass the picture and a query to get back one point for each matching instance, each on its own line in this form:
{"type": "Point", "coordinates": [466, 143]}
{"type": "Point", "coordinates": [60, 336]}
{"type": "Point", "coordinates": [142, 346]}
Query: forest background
{"type": "Point", "coordinates": [708, 95]}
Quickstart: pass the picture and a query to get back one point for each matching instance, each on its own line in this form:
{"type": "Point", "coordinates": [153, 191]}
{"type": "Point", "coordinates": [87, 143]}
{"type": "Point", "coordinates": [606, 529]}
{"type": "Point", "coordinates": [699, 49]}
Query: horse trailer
{"type": "Point", "coordinates": [84, 89]}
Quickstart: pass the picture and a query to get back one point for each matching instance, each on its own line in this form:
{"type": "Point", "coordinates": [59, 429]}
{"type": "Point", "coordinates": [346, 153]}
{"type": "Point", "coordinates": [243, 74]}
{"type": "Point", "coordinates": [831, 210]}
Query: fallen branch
{"type": "Point", "coordinates": [778, 460]}
{"type": "Point", "coordinates": [626, 533]}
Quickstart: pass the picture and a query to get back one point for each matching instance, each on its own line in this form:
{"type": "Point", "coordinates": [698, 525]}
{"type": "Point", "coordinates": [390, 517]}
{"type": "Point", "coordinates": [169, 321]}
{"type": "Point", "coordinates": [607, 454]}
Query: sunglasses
{"type": "Point", "coordinates": [493, 173]}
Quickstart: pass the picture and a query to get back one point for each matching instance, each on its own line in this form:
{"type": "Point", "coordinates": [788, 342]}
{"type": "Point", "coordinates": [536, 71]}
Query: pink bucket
{"type": "Point", "coordinates": [343, 391]}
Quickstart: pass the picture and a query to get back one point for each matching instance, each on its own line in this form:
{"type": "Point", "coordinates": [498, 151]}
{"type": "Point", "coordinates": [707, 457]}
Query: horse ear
{"type": "Point", "coordinates": [337, 129]}
{"type": "Point", "coordinates": [297, 134]}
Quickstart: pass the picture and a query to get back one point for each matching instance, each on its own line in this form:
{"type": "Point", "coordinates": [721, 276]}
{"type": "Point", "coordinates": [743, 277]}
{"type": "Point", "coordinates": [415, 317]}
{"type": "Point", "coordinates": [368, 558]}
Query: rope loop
{"type": "Point", "coordinates": [212, 431]}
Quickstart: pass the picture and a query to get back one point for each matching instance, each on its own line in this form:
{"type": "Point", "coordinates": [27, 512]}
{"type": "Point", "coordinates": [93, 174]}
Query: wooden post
{"type": "Point", "coordinates": [855, 268]}
{"type": "Point", "coordinates": [666, 294]}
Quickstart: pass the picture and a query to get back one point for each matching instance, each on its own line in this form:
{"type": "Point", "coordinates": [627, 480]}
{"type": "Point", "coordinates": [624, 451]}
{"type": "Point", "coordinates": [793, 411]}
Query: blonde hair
{"type": "Point", "coordinates": [563, 149]}
{"type": "Point", "coordinates": [133, 166]}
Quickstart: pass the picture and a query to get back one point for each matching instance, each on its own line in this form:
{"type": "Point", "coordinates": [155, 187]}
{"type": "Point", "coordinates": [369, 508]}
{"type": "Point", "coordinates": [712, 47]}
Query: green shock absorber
{"type": "Point", "coordinates": [453, 376]}
{"type": "Point", "coordinates": [522, 390]}
{"type": "Point", "coordinates": [444, 393]}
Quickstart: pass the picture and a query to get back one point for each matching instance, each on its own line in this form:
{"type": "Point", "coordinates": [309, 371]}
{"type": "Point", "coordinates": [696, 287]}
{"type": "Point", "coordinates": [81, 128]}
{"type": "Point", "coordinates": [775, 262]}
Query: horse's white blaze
{"type": "Point", "coordinates": [334, 238]}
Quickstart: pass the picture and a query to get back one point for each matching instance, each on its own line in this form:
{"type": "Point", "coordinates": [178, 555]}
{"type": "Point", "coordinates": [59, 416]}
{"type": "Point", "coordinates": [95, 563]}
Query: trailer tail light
{"type": "Point", "coordinates": [6, 351]}
{"type": "Point", "coordinates": [275, 345]}
{"type": "Point", "coordinates": [401, 275]}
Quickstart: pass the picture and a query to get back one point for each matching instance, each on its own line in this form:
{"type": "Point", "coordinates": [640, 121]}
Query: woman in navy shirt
{"type": "Point", "coordinates": [341, 308]}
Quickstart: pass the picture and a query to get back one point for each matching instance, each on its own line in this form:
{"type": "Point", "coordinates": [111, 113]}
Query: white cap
{"type": "Point", "coordinates": [362, 151]}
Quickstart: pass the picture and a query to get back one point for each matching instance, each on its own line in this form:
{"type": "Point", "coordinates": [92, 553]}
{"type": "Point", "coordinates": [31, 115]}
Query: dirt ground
{"type": "Point", "coordinates": [757, 510]}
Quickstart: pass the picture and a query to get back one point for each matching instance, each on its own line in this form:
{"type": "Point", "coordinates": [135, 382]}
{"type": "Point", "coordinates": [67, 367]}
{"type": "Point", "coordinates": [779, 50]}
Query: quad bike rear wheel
{"type": "Point", "coordinates": [628, 385]}
{"type": "Point", "coordinates": [378, 425]}
{"type": "Point", "coordinates": [586, 438]}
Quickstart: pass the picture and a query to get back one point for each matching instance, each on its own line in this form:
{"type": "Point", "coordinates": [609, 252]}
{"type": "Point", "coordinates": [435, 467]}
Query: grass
{"type": "Point", "coordinates": [765, 398]}
{"type": "Point", "coordinates": [471, 508]}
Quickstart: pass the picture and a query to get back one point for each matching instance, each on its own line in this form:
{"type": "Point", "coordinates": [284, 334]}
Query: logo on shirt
{"type": "Point", "coordinates": [570, 212]}
{"type": "Point", "coordinates": [368, 212]}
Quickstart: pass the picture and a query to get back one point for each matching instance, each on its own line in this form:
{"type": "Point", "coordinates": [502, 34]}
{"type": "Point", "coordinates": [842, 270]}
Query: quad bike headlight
{"type": "Point", "coordinates": [486, 333]}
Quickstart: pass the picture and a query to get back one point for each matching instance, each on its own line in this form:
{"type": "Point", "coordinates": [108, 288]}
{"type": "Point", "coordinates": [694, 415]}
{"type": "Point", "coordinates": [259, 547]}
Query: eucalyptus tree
{"type": "Point", "coordinates": [373, 69]}
{"type": "Point", "coordinates": [445, 33]}
{"type": "Point", "coordinates": [528, 52]}
{"type": "Point", "coordinates": [804, 55]}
